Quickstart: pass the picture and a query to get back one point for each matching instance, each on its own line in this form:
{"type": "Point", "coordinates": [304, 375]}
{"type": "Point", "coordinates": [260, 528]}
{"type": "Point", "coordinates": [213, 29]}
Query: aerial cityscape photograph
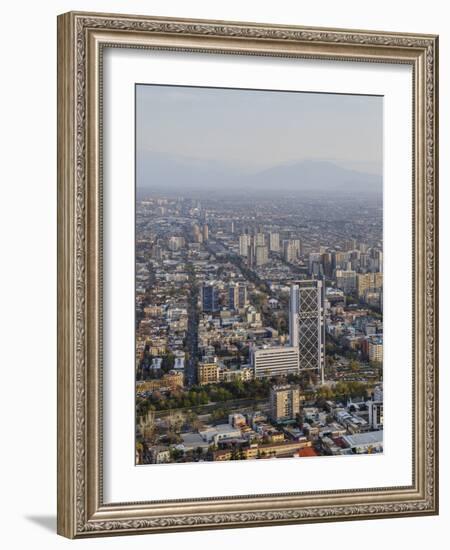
{"type": "Point", "coordinates": [258, 274]}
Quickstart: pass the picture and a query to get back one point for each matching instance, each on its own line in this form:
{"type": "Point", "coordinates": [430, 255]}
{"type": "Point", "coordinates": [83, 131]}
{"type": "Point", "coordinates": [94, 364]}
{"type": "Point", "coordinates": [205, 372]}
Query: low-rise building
{"type": "Point", "coordinates": [282, 449]}
{"type": "Point", "coordinates": [237, 420]}
{"type": "Point", "coordinates": [160, 454]}
{"type": "Point", "coordinates": [170, 381]}
{"type": "Point", "coordinates": [208, 373]}
{"type": "Point", "coordinates": [192, 441]}
{"type": "Point", "coordinates": [215, 434]}
{"type": "Point", "coordinates": [242, 374]}
{"type": "Point", "coordinates": [369, 442]}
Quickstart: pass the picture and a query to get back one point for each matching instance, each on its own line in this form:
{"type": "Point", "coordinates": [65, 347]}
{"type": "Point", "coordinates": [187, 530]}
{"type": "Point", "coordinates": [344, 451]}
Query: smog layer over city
{"type": "Point", "coordinates": [259, 275]}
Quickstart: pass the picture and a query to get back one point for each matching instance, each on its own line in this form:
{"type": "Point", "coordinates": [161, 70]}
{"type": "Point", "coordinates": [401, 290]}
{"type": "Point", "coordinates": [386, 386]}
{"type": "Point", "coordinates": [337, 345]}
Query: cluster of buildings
{"type": "Point", "coordinates": [162, 289]}
{"type": "Point", "coordinates": [222, 298]}
{"type": "Point", "coordinates": [303, 349]}
{"type": "Point", "coordinates": [287, 429]}
{"type": "Point", "coordinates": [358, 331]}
{"type": "Point", "coordinates": [211, 371]}
{"type": "Point", "coordinates": [355, 267]}
{"type": "Point", "coordinates": [255, 248]}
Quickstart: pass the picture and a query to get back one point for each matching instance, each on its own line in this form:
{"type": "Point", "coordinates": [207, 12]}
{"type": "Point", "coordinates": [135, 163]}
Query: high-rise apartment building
{"type": "Point", "coordinates": [354, 259]}
{"type": "Point", "coordinates": [368, 282]}
{"type": "Point", "coordinates": [244, 245]}
{"type": "Point", "coordinates": [260, 239]}
{"type": "Point", "coordinates": [237, 296]}
{"type": "Point", "coordinates": [205, 232]}
{"type": "Point", "coordinates": [346, 280]}
{"type": "Point", "coordinates": [297, 244]}
{"type": "Point", "coordinates": [326, 264]}
{"type": "Point", "coordinates": [289, 251]}
{"type": "Point", "coordinates": [175, 243]}
{"type": "Point", "coordinates": [375, 350]}
{"type": "Point", "coordinates": [338, 260]}
{"type": "Point", "coordinates": [274, 242]}
{"type": "Point", "coordinates": [350, 244]}
{"type": "Point", "coordinates": [209, 299]}
{"type": "Point", "coordinates": [314, 262]}
{"type": "Point", "coordinates": [307, 324]}
{"type": "Point", "coordinates": [376, 260]}
{"type": "Point", "coordinates": [375, 414]}
{"type": "Point", "coordinates": [197, 233]}
{"type": "Point", "coordinates": [364, 261]}
{"type": "Point", "coordinates": [262, 255]}
{"type": "Point", "coordinates": [284, 402]}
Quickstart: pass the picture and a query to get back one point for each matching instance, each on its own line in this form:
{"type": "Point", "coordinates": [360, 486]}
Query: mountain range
{"type": "Point", "coordinates": [173, 174]}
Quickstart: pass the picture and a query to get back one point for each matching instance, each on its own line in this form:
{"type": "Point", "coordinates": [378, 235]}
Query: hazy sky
{"type": "Point", "coordinates": [252, 130]}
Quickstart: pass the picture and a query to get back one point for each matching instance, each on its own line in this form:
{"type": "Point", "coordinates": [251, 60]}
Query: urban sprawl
{"type": "Point", "coordinates": [259, 329]}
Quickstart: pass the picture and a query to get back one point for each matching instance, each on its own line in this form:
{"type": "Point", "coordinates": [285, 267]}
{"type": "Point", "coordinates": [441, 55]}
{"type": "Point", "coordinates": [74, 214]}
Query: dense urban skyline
{"type": "Point", "coordinates": [259, 313]}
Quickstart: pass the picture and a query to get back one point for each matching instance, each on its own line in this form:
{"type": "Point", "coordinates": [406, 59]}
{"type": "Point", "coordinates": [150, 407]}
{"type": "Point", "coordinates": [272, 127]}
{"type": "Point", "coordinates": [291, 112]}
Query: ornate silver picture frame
{"type": "Point", "coordinates": [82, 40]}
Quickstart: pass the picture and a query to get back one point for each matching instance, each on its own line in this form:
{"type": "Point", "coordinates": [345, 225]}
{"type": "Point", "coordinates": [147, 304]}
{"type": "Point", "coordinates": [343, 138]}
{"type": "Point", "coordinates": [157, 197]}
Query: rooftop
{"type": "Point", "coordinates": [307, 451]}
{"type": "Point", "coordinates": [367, 438]}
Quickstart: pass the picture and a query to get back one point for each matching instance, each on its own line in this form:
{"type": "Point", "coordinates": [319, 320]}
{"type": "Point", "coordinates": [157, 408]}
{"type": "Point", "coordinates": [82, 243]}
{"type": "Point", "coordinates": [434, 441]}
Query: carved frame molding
{"type": "Point", "coordinates": [81, 39]}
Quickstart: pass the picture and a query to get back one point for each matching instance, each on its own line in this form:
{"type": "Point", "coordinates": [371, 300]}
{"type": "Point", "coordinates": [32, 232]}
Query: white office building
{"type": "Point", "coordinates": [274, 242]}
{"type": "Point", "coordinates": [276, 361]}
{"type": "Point", "coordinates": [244, 244]}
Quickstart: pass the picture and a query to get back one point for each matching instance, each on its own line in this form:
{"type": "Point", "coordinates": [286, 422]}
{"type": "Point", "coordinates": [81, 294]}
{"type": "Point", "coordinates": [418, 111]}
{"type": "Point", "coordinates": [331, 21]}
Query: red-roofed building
{"type": "Point", "coordinates": [307, 451]}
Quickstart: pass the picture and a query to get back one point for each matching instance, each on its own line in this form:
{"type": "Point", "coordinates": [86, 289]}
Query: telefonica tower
{"type": "Point", "coordinates": [307, 324]}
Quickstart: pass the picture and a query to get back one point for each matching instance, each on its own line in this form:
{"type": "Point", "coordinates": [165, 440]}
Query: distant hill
{"type": "Point", "coordinates": [312, 175]}
{"type": "Point", "coordinates": [164, 172]}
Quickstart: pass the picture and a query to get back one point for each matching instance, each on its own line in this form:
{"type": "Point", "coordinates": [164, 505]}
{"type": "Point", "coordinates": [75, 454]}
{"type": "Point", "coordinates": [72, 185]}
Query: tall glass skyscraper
{"type": "Point", "coordinates": [307, 324]}
{"type": "Point", "coordinates": [209, 299]}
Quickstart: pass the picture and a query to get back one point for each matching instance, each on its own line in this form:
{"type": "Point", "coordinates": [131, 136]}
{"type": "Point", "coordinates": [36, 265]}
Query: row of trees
{"type": "Point", "coordinates": [202, 395]}
{"type": "Point", "coordinates": [344, 390]}
{"type": "Point", "coordinates": [249, 274]}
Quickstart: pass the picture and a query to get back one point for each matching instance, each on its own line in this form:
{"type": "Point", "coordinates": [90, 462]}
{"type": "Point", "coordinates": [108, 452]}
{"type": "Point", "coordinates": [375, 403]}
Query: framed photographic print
{"type": "Point", "coordinates": [247, 286]}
